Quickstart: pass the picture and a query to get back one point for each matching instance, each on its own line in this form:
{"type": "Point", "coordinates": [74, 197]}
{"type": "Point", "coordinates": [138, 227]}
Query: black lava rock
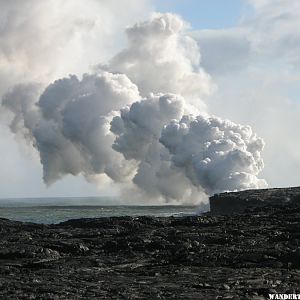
{"type": "Point", "coordinates": [242, 256]}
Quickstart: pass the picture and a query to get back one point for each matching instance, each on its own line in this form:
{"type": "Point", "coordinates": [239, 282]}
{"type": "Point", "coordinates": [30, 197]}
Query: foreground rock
{"type": "Point", "coordinates": [244, 256]}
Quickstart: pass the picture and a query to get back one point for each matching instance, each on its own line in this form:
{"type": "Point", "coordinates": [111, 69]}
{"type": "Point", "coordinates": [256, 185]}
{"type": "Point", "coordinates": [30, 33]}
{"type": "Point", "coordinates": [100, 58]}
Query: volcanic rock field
{"type": "Point", "coordinates": [245, 255]}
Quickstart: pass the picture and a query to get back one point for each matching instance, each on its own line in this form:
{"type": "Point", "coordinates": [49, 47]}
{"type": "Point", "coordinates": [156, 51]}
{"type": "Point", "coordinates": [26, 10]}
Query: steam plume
{"type": "Point", "coordinates": [132, 121]}
{"type": "Point", "coordinates": [215, 154]}
{"type": "Point", "coordinates": [69, 124]}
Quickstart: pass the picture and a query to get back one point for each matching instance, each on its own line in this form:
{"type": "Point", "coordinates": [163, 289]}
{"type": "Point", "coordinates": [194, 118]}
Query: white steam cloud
{"type": "Point", "coordinates": [69, 124]}
{"type": "Point", "coordinates": [215, 154]}
{"type": "Point", "coordinates": [162, 58]}
{"type": "Point", "coordinates": [137, 131]}
{"type": "Point", "coordinates": [131, 121]}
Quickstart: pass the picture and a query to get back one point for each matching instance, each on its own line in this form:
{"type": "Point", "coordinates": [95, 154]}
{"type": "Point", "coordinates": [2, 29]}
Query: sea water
{"type": "Point", "coordinates": [55, 210]}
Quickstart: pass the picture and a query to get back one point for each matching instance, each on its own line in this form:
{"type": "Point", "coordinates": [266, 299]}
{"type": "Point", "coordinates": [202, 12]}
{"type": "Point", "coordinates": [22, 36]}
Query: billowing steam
{"type": "Point", "coordinates": [132, 121]}
{"type": "Point", "coordinates": [137, 130]}
{"type": "Point", "coordinates": [70, 123]}
{"type": "Point", "coordinates": [216, 154]}
{"type": "Point", "coordinates": [161, 58]}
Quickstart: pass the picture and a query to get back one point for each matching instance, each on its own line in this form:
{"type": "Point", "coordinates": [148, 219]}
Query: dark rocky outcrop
{"type": "Point", "coordinates": [243, 256]}
{"type": "Point", "coordinates": [237, 202]}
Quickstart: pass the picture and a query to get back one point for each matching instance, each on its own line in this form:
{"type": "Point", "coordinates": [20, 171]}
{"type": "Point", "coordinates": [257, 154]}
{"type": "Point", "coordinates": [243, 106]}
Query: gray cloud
{"type": "Point", "coordinates": [224, 50]}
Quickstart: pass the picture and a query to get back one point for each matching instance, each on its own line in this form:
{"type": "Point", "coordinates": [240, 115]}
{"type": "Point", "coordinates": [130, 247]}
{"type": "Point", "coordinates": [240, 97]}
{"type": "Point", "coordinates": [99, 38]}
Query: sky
{"type": "Point", "coordinates": [250, 49]}
{"type": "Point", "coordinates": [214, 14]}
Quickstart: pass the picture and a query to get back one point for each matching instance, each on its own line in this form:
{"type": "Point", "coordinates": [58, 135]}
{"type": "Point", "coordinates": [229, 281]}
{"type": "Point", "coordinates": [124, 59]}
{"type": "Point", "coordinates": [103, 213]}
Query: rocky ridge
{"type": "Point", "coordinates": [237, 202]}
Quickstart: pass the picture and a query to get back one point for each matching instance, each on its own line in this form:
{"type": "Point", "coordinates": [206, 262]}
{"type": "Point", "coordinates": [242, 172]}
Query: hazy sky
{"type": "Point", "coordinates": [214, 14]}
{"type": "Point", "coordinates": [249, 48]}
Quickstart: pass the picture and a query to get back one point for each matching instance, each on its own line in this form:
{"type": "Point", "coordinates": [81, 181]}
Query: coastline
{"type": "Point", "coordinates": [245, 256]}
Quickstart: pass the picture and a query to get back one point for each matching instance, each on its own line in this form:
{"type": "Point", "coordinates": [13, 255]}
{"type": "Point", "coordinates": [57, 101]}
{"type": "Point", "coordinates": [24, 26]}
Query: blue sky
{"type": "Point", "coordinates": [204, 14]}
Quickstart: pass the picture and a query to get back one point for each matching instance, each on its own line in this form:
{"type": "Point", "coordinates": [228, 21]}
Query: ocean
{"type": "Point", "coordinates": [56, 210]}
